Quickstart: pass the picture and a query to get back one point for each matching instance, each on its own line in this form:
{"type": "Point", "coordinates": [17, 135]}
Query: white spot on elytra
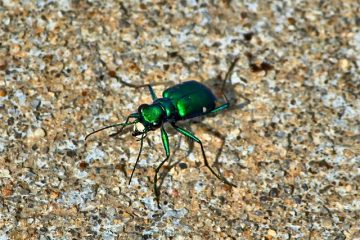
{"type": "Point", "coordinates": [204, 109]}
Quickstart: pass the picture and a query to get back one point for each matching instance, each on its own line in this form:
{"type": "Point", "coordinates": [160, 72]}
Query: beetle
{"type": "Point", "coordinates": [183, 101]}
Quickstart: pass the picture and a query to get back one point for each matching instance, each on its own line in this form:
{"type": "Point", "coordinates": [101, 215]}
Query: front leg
{"type": "Point", "coordinates": [133, 115]}
{"type": "Point", "coordinates": [165, 141]}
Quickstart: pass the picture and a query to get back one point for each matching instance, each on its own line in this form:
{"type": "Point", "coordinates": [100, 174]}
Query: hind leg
{"type": "Point", "coordinates": [193, 137]}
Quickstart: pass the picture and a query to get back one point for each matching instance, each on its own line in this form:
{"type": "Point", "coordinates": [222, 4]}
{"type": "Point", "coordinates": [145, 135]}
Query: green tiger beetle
{"type": "Point", "coordinates": [180, 102]}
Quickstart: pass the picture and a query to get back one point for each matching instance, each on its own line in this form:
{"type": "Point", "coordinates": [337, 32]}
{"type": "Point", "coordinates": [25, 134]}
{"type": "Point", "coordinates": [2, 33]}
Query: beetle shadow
{"type": "Point", "coordinates": [232, 96]}
{"type": "Point", "coordinates": [229, 91]}
{"type": "Point", "coordinates": [172, 161]}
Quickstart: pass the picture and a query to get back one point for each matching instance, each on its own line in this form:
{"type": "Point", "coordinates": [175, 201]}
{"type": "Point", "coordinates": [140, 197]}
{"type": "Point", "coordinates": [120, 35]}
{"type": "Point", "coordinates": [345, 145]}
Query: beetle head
{"type": "Point", "coordinates": [151, 117]}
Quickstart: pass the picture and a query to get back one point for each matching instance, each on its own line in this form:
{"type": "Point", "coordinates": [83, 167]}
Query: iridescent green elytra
{"type": "Point", "coordinates": [182, 101]}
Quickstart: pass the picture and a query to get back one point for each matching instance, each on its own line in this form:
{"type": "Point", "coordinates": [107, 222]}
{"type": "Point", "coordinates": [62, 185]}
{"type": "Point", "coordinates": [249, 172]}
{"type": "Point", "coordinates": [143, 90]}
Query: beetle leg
{"type": "Point", "coordinates": [123, 125]}
{"type": "Point", "coordinates": [133, 115]}
{"type": "Point", "coordinates": [193, 137]}
{"type": "Point", "coordinates": [152, 93]}
{"type": "Point", "coordinates": [138, 85]}
{"type": "Point", "coordinates": [228, 74]}
{"type": "Point", "coordinates": [222, 107]}
{"type": "Point", "coordinates": [138, 157]}
{"type": "Point", "coordinates": [165, 141]}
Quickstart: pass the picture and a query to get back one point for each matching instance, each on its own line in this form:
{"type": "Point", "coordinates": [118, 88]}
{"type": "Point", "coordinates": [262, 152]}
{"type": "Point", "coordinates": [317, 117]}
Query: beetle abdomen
{"type": "Point", "coordinates": [191, 99]}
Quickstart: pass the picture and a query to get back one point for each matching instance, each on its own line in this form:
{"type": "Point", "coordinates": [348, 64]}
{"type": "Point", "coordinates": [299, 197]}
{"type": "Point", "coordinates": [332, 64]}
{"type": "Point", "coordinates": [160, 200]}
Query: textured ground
{"type": "Point", "coordinates": [293, 151]}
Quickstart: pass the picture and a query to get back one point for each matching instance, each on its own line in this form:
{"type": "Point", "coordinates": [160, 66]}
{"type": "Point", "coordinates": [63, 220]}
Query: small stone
{"type": "Point", "coordinates": [327, 222]}
{"type": "Point", "coordinates": [5, 173]}
{"type": "Point", "coordinates": [3, 64]}
{"type": "Point", "coordinates": [271, 232]}
{"type": "Point", "coordinates": [344, 64]}
{"type": "Point", "coordinates": [15, 49]}
{"type": "Point", "coordinates": [7, 191]}
{"type": "Point", "coordinates": [54, 195]}
{"type": "Point", "coordinates": [2, 91]}
{"type": "Point", "coordinates": [179, 237]}
{"type": "Point", "coordinates": [38, 133]}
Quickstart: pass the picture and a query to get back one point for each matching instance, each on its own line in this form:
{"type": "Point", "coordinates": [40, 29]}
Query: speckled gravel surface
{"type": "Point", "coordinates": [293, 151]}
